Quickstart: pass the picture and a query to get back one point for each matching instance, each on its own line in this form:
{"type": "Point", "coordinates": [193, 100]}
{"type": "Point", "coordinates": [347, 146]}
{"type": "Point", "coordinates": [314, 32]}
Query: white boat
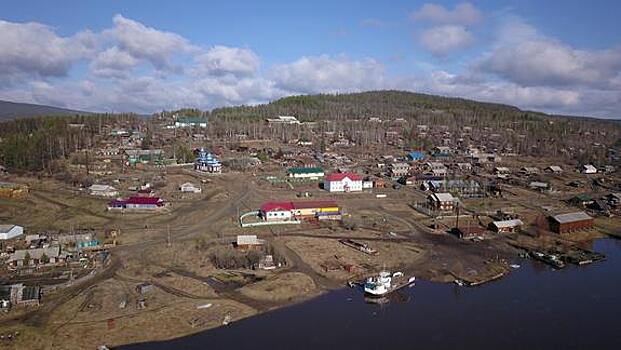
{"type": "Point", "coordinates": [515, 266]}
{"type": "Point", "coordinates": [411, 280]}
{"type": "Point", "coordinates": [459, 283]}
{"type": "Point", "coordinates": [378, 286]}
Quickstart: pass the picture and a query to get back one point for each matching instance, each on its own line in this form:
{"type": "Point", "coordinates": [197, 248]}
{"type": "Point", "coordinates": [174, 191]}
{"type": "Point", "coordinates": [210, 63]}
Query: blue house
{"type": "Point", "coordinates": [206, 162]}
{"type": "Point", "coordinates": [416, 155]}
{"type": "Point", "coordinates": [87, 244]}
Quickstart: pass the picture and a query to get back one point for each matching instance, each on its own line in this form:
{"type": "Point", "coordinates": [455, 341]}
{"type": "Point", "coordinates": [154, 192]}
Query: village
{"type": "Point", "coordinates": [182, 224]}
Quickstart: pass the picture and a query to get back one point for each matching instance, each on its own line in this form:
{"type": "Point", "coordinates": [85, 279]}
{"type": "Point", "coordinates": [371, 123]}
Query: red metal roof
{"type": "Point", "coordinates": [272, 206]}
{"type": "Point", "coordinates": [341, 176]}
{"type": "Point", "coordinates": [144, 200]}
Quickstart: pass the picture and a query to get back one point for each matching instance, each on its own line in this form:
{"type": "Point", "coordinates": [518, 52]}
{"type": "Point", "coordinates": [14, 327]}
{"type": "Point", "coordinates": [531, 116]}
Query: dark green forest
{"type": "Point", "coordinates": [34, 144]}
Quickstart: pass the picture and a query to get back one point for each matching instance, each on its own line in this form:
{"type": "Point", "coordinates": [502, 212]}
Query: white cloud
{"type": "Point", "coordinates": [463, 14]}
{"type": "Point", "coordinates": [221, 60]}
{"type": "Point", "coordinates": [329, 74]}
{"type": "Point", "coordinates": [113, 62]}
{"type": "Point", "coordinates": [472, 87]}
{"type": "Point", "coordinates": [442, 40]}
{"type": "Point", "coordinates": [34, 50]}
{"type": "Point", "coordinates": [147, 43]}
{"type": "Point", "coordinates": [525, 56]}
{"type": "Point", "coordinates": [137, 68]}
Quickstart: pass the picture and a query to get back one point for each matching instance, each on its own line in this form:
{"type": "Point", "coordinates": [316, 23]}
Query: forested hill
{"type": "Point", "coordinates": [388, 104]}
{"type": "Point", "coordinates": [13, 110]}
{"type": "Point", "coordinates": [458, 120]}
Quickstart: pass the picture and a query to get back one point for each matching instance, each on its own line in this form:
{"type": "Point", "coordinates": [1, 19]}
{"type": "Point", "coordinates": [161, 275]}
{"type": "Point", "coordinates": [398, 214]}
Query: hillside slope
{"type": "Point", "coordinates": [12, 110]}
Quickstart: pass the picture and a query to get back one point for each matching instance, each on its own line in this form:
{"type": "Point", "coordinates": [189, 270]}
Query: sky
{"type": "Point", "coordinates": [557, 56]}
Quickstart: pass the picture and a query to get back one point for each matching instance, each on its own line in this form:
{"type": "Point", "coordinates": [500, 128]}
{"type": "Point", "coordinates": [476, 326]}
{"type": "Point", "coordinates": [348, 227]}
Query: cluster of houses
{"type": "Point", "coordinates": [608, 204]}
{"type": "Point", "coordinates": [44, 250]}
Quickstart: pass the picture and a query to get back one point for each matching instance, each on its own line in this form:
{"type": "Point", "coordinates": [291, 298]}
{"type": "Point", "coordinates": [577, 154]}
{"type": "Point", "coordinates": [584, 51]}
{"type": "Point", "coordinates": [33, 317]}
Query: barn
{"type": "Point", "coordinates": [570, 222]}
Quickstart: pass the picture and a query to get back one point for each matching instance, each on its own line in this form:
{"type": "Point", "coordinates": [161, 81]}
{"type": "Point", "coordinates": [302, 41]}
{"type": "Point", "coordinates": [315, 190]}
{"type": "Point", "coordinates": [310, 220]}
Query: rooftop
{"type": "Point", "coordinates": [508, 223]}
{"type": "Point", "coordinates": [248, 240]}
{"type": "Point", "coordinates": [98, 188]}
{"type": "Point", "coordinates": [314, 204]}
{"type": "Point", "coordinates": [341, 176]}
{"type": "Point", "coordinates": [302, 170]}
{"type": "Point", "coordinates": [191, 120]}
{"type": "Point", "coordinates": [6, 228]}
{"type": "Point", "coordinates": [443, 197]}
{"type": "Point", "coordinates": [571, 217]}
{"type": "Point", "coordinates": [50, 252]}
{"type": "Point", "coordinates": [273, 206]}
{"type": "Point", "coordinates": [276, 206]}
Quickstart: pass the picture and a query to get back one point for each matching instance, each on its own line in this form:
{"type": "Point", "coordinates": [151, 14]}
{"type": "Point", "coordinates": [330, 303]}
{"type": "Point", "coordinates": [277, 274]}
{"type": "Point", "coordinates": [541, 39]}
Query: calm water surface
{"type": "Point", "coordinates": [532, 308]}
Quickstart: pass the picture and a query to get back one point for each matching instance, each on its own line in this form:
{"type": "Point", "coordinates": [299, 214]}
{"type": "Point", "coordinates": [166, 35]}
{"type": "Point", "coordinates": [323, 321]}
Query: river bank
{"type": "Point", "coordinates": [534, 307]}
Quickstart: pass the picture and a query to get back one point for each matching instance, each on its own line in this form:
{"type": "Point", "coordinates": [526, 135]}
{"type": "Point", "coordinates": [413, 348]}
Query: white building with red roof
{"type": "Point", "coordinates": [277, 211]}
{"type": "Point", "coordinates": [284, 211]}
{"type": "Point", "coordinates": [342, 182]}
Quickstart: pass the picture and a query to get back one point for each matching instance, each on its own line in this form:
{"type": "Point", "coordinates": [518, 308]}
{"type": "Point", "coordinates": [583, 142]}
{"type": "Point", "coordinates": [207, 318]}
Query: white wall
{"type": "Point", "coordinates": [339, 186]}
{"type": "Point", "coordinates": [278, 215]}
{"type": "Point", "coordinates": [13, 232]}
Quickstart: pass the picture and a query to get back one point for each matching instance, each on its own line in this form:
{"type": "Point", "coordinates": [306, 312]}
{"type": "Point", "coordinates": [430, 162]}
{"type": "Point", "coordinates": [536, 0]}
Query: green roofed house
{"type": "Point", "coordinates": [185, 122]}
{"type": "Point", "coordinates": [152, 156]}
{"type": "Point", "coordinates": [305, 173]}
{"type": "Point", "coordinates": [581, 200]}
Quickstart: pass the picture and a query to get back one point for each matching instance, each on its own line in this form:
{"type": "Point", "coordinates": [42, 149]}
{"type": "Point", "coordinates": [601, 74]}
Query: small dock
{"type": "Point", "coordinates": [487, 280]}
{"type": "Point", "coordinates": [583, 257]}
{"type": "Point", "coordinates": [560, 258]}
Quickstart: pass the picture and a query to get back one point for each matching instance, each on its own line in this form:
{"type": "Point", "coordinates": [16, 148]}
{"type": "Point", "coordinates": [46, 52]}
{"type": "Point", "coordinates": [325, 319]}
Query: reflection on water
{"type": "Point", "coordinates": [397, 297]}
{"type": "Point", "coordinates": [534, 307]}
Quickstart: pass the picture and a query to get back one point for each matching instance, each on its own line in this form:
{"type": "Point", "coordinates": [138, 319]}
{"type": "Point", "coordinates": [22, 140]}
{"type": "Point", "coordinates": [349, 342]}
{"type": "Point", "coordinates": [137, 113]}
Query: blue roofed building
{"type": "Point", "coordinates": [206, 162]}
{"type": "Point", "coordinates": [416, 155]}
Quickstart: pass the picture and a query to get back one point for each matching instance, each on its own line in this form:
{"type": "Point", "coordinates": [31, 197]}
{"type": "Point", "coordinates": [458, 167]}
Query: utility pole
{"type": "Point", "coordinates": [169, 236]}
{"type": "Point", "coordinates": [457, 221]}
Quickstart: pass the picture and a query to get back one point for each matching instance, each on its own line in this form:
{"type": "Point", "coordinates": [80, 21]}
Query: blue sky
{"type": "Point", "coordinates": [145, 56]}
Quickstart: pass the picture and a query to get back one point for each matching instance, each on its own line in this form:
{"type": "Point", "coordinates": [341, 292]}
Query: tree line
{"type": "Point", "coordinates": [43, 143]}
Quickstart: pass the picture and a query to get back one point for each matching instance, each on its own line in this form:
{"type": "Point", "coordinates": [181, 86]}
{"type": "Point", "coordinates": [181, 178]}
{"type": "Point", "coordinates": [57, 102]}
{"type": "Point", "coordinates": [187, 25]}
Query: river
{"type": "Point", "coordinates": [534, 307]}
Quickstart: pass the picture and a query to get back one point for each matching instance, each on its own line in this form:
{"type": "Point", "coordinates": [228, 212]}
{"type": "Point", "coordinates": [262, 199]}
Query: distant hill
{"type": "Point", "coordinates": [13, 110]}
{"type": "Point", "coordinates": [396, 104]}
{"type": "Point", "coordinates": [386, 103]}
